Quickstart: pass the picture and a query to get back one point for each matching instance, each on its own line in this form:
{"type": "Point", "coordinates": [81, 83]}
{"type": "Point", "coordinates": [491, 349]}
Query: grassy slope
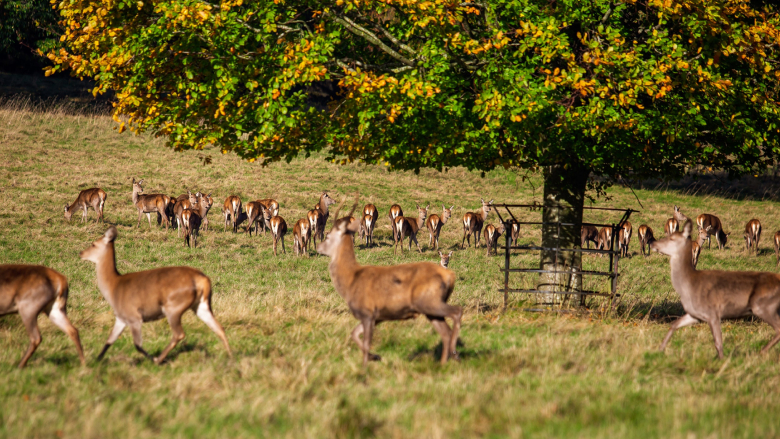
{"type": "Point", "coordinates": [295, 373]}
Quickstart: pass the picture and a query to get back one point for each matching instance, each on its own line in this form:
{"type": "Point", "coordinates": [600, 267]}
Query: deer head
{"type": "Point", "coordinates": [677, 244]}
{"type": "Point", "coordinates": [445, 259]}
{"type": "Point", "coordinates": [96, 252]}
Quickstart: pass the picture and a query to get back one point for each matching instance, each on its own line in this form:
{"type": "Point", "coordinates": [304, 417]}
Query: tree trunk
{"type": "Point", "coordinates": [564, 197]}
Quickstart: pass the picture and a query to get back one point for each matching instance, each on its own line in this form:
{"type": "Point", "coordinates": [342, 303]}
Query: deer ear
{"type": "Point", "coordinates": [450, 255]}
{"type": "Point", "coordinates": [451, 207]}
{"type": "Point", "coordinates": [427, 206]}
{"type": "Point", "coordinates": [133, 180]}
{"type": "Point", "coordinates": [687, 229]}
{"type": "Point", "coordinates": [353, 226]}
{"type": "Point", "coordinates": [140, 181]}
{"type": "Point", "coordinates": [441, 254]}
{"type": "Point", "coordinates": [490, 202]}
{"type": "Point", "coordinates": [110, 234]}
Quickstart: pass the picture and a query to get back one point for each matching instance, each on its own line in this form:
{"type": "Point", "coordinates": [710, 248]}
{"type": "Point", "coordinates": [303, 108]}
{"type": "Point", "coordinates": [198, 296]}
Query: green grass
{"type": "Point", "coordinates": [295, 373]}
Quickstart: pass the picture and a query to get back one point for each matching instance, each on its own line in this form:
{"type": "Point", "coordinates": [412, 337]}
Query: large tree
{"type": "Point", "coordinates": [574, 89]}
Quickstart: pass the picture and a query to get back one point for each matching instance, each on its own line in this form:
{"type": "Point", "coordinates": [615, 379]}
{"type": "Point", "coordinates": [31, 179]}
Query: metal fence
{"type": "Point", "coordinates": [509, 218]}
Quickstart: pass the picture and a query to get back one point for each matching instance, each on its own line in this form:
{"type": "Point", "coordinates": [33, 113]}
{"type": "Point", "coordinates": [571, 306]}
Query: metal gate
{"type": "Point", "coordinates": [614, 254]}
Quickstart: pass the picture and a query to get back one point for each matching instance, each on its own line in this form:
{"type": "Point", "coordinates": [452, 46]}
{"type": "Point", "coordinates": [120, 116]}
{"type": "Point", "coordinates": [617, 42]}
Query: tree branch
{"type": "Point", "coordinates": [396, 41]}
{"type": "Point", "coordinates": [362, 32]}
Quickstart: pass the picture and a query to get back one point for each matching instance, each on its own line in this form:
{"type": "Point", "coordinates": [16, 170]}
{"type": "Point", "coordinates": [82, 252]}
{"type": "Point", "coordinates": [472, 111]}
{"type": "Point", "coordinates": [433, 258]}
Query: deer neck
{"type": "Point", "coordinates": [107, 276]}
{"type": "Point", "coordinates": [682, 270]}
{"type": "Point", "coordinates": [135, 196]}
{"type": "Point", "coordinates": [343, 266]}
{"type": "Point", "coordinates": [323, 207]}
{"type": "Point", "coordinates": [483, 214]}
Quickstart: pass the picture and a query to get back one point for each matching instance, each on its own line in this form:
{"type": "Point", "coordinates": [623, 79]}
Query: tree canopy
{"type": "Point", "coordinates": [647, 88]}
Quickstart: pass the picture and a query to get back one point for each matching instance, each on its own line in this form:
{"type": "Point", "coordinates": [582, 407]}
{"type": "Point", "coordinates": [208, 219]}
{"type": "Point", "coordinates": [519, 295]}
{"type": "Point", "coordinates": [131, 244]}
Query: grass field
{"type": "Point", "coordinates": [294, 371]}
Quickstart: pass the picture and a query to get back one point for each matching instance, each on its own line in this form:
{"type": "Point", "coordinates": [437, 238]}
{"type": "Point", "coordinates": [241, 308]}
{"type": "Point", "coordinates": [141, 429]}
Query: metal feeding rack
{"type": "Point", "coordinates": [614, 253]}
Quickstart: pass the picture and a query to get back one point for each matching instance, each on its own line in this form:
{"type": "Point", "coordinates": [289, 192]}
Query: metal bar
{"type": "Point", "coordinates": [584, 293]}
{"type": "Point", "coordinates": [536, 270]}
{"type": "Point", "coordinates": [582, 250]}
{"type": "Point", "coordinates": [553, 223]}
{"type": "Point", "coordinates": [508, 234]}
{"type": "Point", "coordinates": [539, 206]}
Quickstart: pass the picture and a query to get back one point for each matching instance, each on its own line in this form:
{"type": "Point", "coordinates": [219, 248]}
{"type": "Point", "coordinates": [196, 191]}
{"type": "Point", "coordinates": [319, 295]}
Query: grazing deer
{"type": "Point", "coordinates": [678, 215]}
{"type": "Point", "coordinates": [278, 227]}
{"type": "Point", "coordinates": [434, 223]}
{"type": "Point", "coordinates": [710, 295]}
{"type": "Point", "coordinates": [696, 247]}
{"type": "Point", "coordinates": [712, 224]}
{"type": "Point", "coordinates": [301, 235]}
{"type": "Point", "coordinates": [230, 209]}
{"type": "Point", "coordinates": [150, 295]}
{"type": "Point", "coordinates": [407, 226]}
{"type": "Point", "coordinates": [29, 290]}
{"type": "Point", "coordinates": [777, 246]}
{"type": "Point", "coordinates": [191, 221]}
{"type": "Point", "coordinates": [624, 238]}
{"type": "Point", "coordinates": [645, 238]}
{"type": "Point", "coordinates": [378, 294]}
{"type": "Point", "coordinates": [94, 198]}
{"type": "Point", "coordinates": [605, 240]}
{"type": "Point", "coordinates": [146, 204]}
{"type": "Point", "coordinates": [321, 216]}
{"type": "Point", "coordinates": [370, 217]}
{"type": "Point", "coordinates": [444, 260]}
{"type": "Point", "coordinates": [671, 226]}
{"type": "Point", "coordinates": [395, 212]}
{"type": "Point", "coordinates": [472, 224]}
{"type": "Point", "coordinates": [752, 235]}
{"type": "Point", "coordinates": [491, 234]}
{"type": "Point", "coordinates": [589, 233]}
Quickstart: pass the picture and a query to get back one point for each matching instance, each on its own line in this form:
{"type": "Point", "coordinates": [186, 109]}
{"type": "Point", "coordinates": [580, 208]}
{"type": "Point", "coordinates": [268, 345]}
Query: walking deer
{"type": "Point", "coordinates": [605, 240]}
{"type": "Point", "coordinates": [624, 238]}
{"type": "Point", "coordinates": [711, 295]}
{"type": "Point", "coordinates": [408, 227]}
{"type": "Point", "coordinates": [150, 295]}
{"type": "Point", "coordinates": [671, 226]}
{"type": "Point", "coordinates": [434, 223]}
{"type": "Point", "coordinates": [301, 235]}
{"type": "Point", "coordinates": [646, 237]}
{"type": "Point", "coordinates": [491, 234]}
{"type": "Point", "coordinates": [321, 216]}
{"type": "Point", "coordinates": [712, 224]}
{"type": "Point", "coordinates": [230, 209]}
{"type": "Point", "coordinates": [147, 204]}
{"type": "Point", "coordinates": [378, 294]}
{"type": "Point", "coordinates": [444, 260]}
{"type": "Point", "coordinates": [589, 234]}
{"type": "Point", "coordinates": [278, 227]}
{"type": "Point", "coordinates": [395, 212]}
{"type": "Point", "coordinates": [370, 217]}
{"type": "Point", "coordinates": [472, 224]}
{"type": "Point", "coordinates": [29, 290]}
{"type": "Point", "coordinates": [94, 198]}
{"type": "Point", "coordinates": [752, 235]}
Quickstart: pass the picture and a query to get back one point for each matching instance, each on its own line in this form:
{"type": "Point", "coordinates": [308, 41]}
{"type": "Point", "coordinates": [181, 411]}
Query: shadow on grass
{"type": "Point", "coordinates": [435, 353]}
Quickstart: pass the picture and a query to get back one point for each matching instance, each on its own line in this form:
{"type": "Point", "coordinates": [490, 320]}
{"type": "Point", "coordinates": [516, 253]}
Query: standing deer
{"type": "Point", "coordinates": [230, 209]}
{"type": "Point", "coordinates": [671, 226]}
{"type": "Point", "coordinates": [184, 201]}
{"type": "Point", "coordinates": [370, 217]}
{"type": "Point", "coordinates": [491, 234]}
{"type": "Point", "coordinates": [314, 217]}
{"type": "Point", "coordinates": [712, 224]}
{"type": "Point", "coordinates": [752, 235]}
{"type": "Point", "coordinates": [321, 216]}
{"type": "Point", "coordinates": [605, 240]}
{"type": "Point", "coordinates": [472, 224]}
{"type": "Point", "coordinates": [301, 235]}
{"type": "Point", "coordinates": [395, 212]}
{"type": "Point", "coordinates": [645, 238]}
{"type": "Point", "coordinates": [678, 215]}
{"type": "Point", "coordinates": [514, 232]}
{"type": "Point", "coordinates": [208, 201]}
{"type": "Point", "coordinates": [146, 204]}
{"type": "Point", "coordinates": [444, 260]}
{"type": "Point", "coordinates": [624, 238]}
{"type": "Point", "coordinates": [696, 247]}
{"type": "Point", "coordinates": [378, 294]}
{"type": "Point", "coordinates": [29, 290]}
{"type": "Point", "coordinates": [407, 226]}
{"type": "Point", "coordinates": [589, 234]}
{"type": "Point", "coordinates": [255, 216]}
{"type": "Point", "coordinates": [777, 246]}
{"type": "Point", "coordinates": [191, 221]}
{"type": "Point", "coordinates": [278, 227]}
{"type": "Point", "coordinates": [434, 223]}
{"type": "Point", "coordinates": [711, 295]}
{"type": "Point", "coordinates": [150, 295]}
{"type": "Point", "coordinates": [94, 198]}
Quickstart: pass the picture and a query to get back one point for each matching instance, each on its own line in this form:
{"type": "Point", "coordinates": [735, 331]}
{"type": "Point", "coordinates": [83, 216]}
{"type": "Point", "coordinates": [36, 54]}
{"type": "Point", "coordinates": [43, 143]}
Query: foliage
{"type": "Point", "coordinates": [27, 25]}
{"type": "Point", "coordinates": [625, 87]}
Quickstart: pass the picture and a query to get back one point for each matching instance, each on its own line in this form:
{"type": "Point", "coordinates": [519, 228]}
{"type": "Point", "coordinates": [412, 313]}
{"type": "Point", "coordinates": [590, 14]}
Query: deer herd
{"type": "Point", "coordinates": [373, 293]}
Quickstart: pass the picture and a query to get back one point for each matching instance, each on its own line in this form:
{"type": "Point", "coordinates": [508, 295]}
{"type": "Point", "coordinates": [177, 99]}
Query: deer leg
{"type": "Point", "coordinates": [456, 313]}
{"type": "Point", "coordinates": [686, 320]}
{"type": "Point", "coordinates": [119, 326]}
{"type": "Point", "coordinates": [368, 332]}
{"type": "Point", "coordinates": [30, 319]}
{"type": "Point", "coordinates": [445, 333]}
{"type": "Point", "coordinates": [414, 236]}
{"type": "Point", "coordinates": [174, 320]}
{"type": "Point", "coordinates": [135, 328]}
{"type": "Point", "coordinates": [285, 250]}
{"type": "Point", "coordinates": [204, 313]}
{"type": "Point", "coordinates": [84, 215]}
{"type": "Point", "coordinates": [768, 313]}
{"type": "Point", "coordinates": [60, 319]}
{"type": "Point", "coordinates": [717, 335]}
{"type": "Point", "coordinates": [149, 218]}
{"type": "Point", "coordinates": [140, 214]}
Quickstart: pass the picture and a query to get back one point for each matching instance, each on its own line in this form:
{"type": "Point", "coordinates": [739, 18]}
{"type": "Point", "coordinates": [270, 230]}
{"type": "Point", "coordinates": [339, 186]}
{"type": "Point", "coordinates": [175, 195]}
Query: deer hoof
{"type": "Point", "coordinates": [374, 357]}
{"type": "Point", "coordinates": [156, 360]}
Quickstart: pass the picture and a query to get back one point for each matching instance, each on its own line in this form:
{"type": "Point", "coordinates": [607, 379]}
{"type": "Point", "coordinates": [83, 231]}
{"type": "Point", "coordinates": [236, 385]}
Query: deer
{"type": "Point", "coordinates": [712, 224]}
{"type": "Point", "coordinates": [94, 198]}
{"type": "Point", "coordinates": [589, 234]}
{"type": "Point", "coordinates": [314, 217]}
{"type": "Point", "coordinates": [29, 290]}
{"type": "Point", "coordinates": [395, 212]}
{"type": "Point", "coordinates": [377, 294]}
{"type": "Point", "coordinates": [182, 202]}
{"type": "Point", "coordinates": [146, 204]}
{"type": "Point", "coordinates": [191, 221]}
{"type": "Point", "coordinates": [370, 217]}
{"type": "Point", "coordinates": [514, 234]}
{"type": "Point", "coordinates": [408, 227]}
{"type": "Point", "coordinates": [624, 238]}
{"type": "Point", "coordinates": [696, 247]}
{"type": "Point", "coordinates": [752, 235]}
{"type": "Point", "coordinates": [713, 295]}
{"type": "Point", "coordinates": [646, 237]}
{"type": "Point", "coordinates": [150, 295]}
{"type": "Point", "coordinates": [605, 240]}
{"type": "Point", "coordinates": [321, 216]}
{"type": "Point", "coordinates": [671, 226]}
{"type": "Point", "coordinates": [679, 216]}
{"type": "Point", "coordinates": [278, 227]}
{"type": "Point", "coordinates": [434, 224]}
{"type": "Point", "coordinates": [254, 213]}
{"type": "Point", "coordinates": [491, 235]}
{"type": "Point", "coordinates": [472, 224]}
{"type": "Point", "coordinates": [444, 260]}
{"type": "Point", "coordinates": [206, 200]}
{"type": "Point", "coordinates": [230, 210]}
{"type": "Point", "coordinates": [301, 235]}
